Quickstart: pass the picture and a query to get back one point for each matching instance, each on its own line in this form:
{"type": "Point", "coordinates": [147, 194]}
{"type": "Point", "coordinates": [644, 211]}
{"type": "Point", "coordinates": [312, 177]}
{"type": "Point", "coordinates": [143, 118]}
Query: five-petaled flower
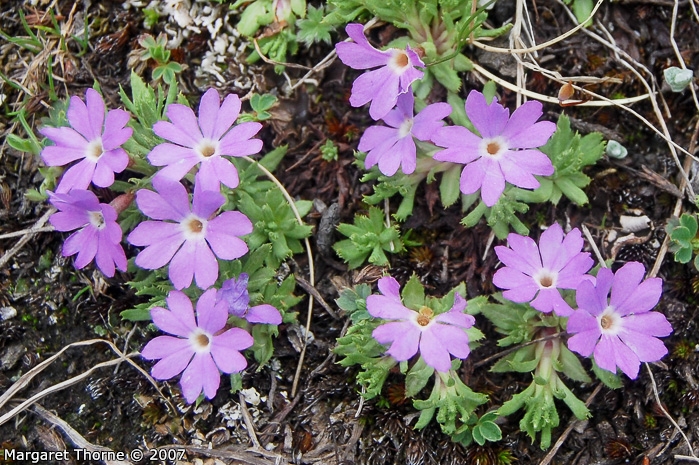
{"type": "Point", "coordinates": [536, 273]}
{"type": "Point", "coordinates": [396, 71]}
{"type": "Point", "coordinates": [393, 145]}
{"type": "Point", "coordinates": [92, 137]}
{"type": "Point", "coordinates": [494, 157]}
{"type": "Point", "coordinates": [234, 292]}
{"type": "Point", "coordinates": [435, 336]}
{"type": "Point", "coordinates": [204, 141]}
{"type": "Point", "coordinates": [620, 331]}
{"type": "Point", "coordinates": [186, 241]}
{"type": "Point", "coordinates": [99, 236]}
{"type": "Point", "coordinates": [200, 349]}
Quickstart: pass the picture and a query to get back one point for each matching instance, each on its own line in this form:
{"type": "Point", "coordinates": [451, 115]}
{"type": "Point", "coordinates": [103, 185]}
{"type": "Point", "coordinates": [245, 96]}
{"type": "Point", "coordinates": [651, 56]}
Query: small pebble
{"type": "Point", "coordinates": [7, 312]}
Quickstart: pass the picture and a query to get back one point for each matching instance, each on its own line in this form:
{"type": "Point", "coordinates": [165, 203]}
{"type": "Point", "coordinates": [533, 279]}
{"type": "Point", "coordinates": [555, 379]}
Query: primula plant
{"type": "Point", "coordinates": [418, 335]}
{"type": "Point", "coordinates": [179, 201]}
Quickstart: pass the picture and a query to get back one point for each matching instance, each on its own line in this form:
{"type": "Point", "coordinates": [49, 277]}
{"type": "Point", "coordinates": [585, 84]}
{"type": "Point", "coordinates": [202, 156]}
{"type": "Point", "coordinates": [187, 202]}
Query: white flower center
{"type": "Point", "coordinates": [200, 341]}
{"type": "Point", "coordinates": [405, 127]}
{"type": "Point", "coordinates": [207, 148]}
{"type": "Point", "coordinates": [399, 61]}
{"type": "Point", "coordinates": [193, 227]}
{"type": "Point", "coordinates": [96, 220]}
{"type": "Point", "coordinates": [609, 321]}
{"type": "Point", "coordinates": [94, 150]}
{"type": "Point", "coordinates": [493, 147]}
{"type": "Point", "coordinates": [545, 278]}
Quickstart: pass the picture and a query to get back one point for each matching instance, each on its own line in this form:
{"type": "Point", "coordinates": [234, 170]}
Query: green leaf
{"type": "Point", "coordinates": [450, 187]}
{"type": "Point", "coordinates": [611, 380]}
{"type": "Point", "coordinates": [313, 29]}
{"type": "Point", "coordinates": [571, 366]}
{"type": "Point", "coordinates": [417, 378]}
{"type": "Point", "coordinates": [255, 15]}
{"type": "Point", "coordinates": [413, 294]}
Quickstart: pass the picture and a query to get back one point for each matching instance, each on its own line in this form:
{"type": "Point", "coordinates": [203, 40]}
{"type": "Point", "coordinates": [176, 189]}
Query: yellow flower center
{"type": "Point", "coordinates": [195, 226]}
{"type": "Point", "coordinates": [207, 150]}
{"type": "Point", "coordinates": [606, 322]}
{"type": "Point", "coordinates": [425, 316]}
{"type": "Point", "coordinates": [493, 148]}
{"type": "Point", "coordinates": [202, 340]}
{"type": "Point", "coordinates": [402, 59]}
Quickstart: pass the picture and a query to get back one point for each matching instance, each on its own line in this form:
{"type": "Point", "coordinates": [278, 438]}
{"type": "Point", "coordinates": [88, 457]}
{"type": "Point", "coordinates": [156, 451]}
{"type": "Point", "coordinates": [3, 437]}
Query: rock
{"type": "Point", "coordinates": [11, 356]}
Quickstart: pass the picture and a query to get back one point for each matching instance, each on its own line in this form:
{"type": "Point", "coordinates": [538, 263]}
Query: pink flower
{"type": "Point", "coordinates": [92, 137]}
{"type": "Point", "coordinates": [99, 235]}
{"type": "Point", "coordinates": [620, 331]}
{"type": "Point", "coordinates": [536, 273]}
{"type": "Point", "coordinates": [200, 349]}
{"type": "Point", "coordinates": [191, 237]}
{"type": "Point", "coordinates": [396, 72]}
{"type": "Point", "coordinates": [495, 156]}
{"type": "Point", "coordinates": [393, 146]}
{"type": "Point", "coordinates": [204, 141]}
{"type": "Point", "coordinates": [435, 336]}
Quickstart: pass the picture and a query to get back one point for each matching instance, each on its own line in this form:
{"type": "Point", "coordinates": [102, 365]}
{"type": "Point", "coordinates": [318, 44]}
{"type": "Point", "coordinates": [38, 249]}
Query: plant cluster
{"type": "Point", "coordinates": [613, 325]}
{"type": "Point", "coordinates": [211, 231]}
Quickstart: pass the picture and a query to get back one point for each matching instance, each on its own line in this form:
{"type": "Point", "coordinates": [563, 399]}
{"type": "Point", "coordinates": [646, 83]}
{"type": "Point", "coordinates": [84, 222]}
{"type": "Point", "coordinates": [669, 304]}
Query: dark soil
{"type": "Point", "coordinates": [57, 305]}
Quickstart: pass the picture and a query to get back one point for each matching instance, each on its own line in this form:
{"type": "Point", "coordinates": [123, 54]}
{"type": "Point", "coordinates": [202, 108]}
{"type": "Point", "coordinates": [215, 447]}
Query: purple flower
{"type": "Point", "coordinates": [381, 86]}
{"type": "Point", "coordinates": [205, 141]}
{"type": "Point", "coordinates": [234, 292]}
{"type": "Point", "coordinates": [435, 336]}
{"type": "Point", "coordinates": [92, 137]}
{"type": "Point", "coordinates": [200, 349]}
{"type": "Point", "coordinates": [99, 235]}
{"type": "Point", "coordinates": [537, 272]}
{"type": "Point", "coordinates": [394, 146]}
{"type": "Point", "coordinates": [187, 240]}
{"type": "Point", "coordinates": [492, 158]}
{"type": "Point", "coordinates": [621, 331]}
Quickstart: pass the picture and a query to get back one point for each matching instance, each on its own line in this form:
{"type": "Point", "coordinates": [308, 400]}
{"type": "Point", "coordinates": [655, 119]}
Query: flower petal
{"type": "Point", "coordinates": [238, 141]}
{"type": "Point", "coordinates": [433, 350]}
{"type": "Point", "coordinates": [390, 288]}
{"type": "Point", "coordinates": [173, 364]}
{"type": "Point", "coordinates": [265, 314]}
{"type": "Point", "coordinates": [489, 120]}
{"type": "Point", "coordinates": [201, 374]}
{"type": "Point", "coordinates": [648, 323]}
{"type": "Point", "coordinates": [227, 114]}
{"type": "Point", "coordinates": [184, 121]}
{"type": "Point", "coordinates": [208, 112]}
{"type": "Point", "coordinates": [380, 306]}
{"type": "Point", "coordinates": [163, 346]}
{"type": "Point", "coordinates": [211, 317]}
{"type": "Point", "coordinates": [646, 348]}
{"type": "Point", "coordinates": [405, 338]}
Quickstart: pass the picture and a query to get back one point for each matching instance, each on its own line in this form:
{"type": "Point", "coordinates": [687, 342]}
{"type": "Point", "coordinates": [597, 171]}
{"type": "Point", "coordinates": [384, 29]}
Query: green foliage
{"type": "Point", "coordinates": [545, 359]}
{"type": "Point", "coordinates": [369, 237]}
{"type": "Point", "coordinates": [284, 28]}
{"type": "Point", "coordinates": [328, 151]}
{"type": "Point", "coordinates": [312, 29]}
{"type": "Point", "coordinates": [683, 234]}
{"type": "Point", "coordinates": [260, 104]}
{"type": "Point", "coordinates": [570, 153]}
{"type": "Point", "coordinates": [454, 404]}
{"type": "Point", "coordinates": [502, 216]}
{"type": "Point", "coordinates": [440, 28]}
{"type": "Point", "coordinates": [155, 48]}
{"type": "Point", "coordinates": [451, 402]}
{"type": "Point", "coordinates": [274, 222]}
